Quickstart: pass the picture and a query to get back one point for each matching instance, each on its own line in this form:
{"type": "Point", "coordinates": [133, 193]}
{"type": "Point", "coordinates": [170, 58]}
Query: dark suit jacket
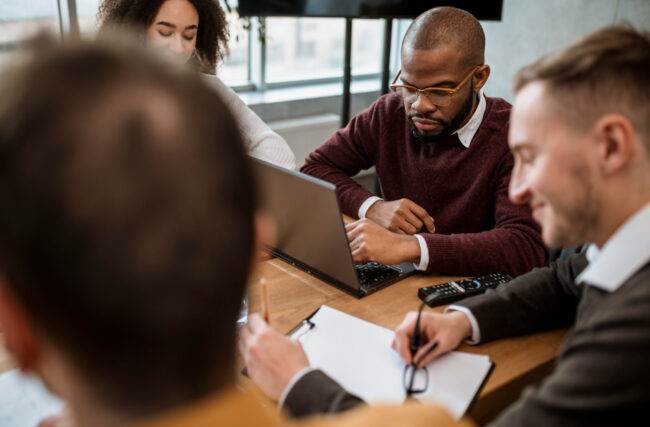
{"type": "Point", "coordinates": [602, 374]}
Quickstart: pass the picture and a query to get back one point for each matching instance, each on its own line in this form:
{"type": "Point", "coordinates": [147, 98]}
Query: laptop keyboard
{"type": "Point", "coordinates": [373, 273]}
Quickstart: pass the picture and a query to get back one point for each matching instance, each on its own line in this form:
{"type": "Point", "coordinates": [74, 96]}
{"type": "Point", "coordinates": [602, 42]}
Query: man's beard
{"type": "Point", "coordinates": [447, 127]}
{"type": "Point", "coordinates": [574, 218]}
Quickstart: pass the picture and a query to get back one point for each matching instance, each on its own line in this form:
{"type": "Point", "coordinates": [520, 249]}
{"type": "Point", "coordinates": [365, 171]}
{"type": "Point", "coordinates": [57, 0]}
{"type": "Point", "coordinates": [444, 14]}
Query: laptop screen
{"type": "Point", "coordinates": [309, 224]}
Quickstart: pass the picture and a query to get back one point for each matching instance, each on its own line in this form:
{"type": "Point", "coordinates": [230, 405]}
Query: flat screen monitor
{"type": "Point", "coordinates": [481, 9]}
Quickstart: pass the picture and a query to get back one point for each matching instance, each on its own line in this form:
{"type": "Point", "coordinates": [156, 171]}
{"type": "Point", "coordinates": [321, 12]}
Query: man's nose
{"type": "Point", "coordinates": [422, 104]}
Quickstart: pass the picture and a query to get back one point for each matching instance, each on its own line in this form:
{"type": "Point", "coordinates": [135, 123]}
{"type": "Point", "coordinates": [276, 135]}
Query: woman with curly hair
{"type": "Point", "coordinates": [196, 32]}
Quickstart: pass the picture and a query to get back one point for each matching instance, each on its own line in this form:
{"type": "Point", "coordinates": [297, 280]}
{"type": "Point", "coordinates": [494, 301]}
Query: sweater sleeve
{"type": "Point", "coordinates": [514, 245]}
{"type": "Point", "coordinates": [344, 155]}
{"type": "Point", "coordinates": [541, 299]}
{"type": "Point", "coordinates": [261, 142]}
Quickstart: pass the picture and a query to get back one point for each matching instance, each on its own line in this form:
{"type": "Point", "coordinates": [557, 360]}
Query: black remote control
{"type": "Point", "coordinates": [458, 289]}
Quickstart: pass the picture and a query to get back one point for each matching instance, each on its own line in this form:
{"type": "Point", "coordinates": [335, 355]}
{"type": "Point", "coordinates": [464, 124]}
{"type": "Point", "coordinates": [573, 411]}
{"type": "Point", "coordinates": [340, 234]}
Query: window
{"type": "Point", "coordinates": [87, 14]}
{"type": "Point", "coordinates": [303, 48]}
{"type": "Point", "coordinates": [20, 19]}
{"type": "Point", "coordinates": [367, 46]}
{"type": "Point", "coordinates": [313, 48]}
{"type": "Point", "coordinates": [235, 69]}
{"type": "Point", "coordinates": [292, 51]}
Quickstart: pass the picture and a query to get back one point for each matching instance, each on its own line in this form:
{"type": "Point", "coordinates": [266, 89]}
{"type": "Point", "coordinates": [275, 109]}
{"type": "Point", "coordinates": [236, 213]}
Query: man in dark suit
{"type": "Point", "coordinates": [580, 135]}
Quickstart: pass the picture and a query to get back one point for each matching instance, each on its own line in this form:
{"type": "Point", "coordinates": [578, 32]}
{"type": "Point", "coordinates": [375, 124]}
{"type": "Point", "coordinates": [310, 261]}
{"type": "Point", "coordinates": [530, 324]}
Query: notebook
{"type": "Point", "coordinates": [311, 233]}
{"type": "Point", "coordinates": [358, 355]}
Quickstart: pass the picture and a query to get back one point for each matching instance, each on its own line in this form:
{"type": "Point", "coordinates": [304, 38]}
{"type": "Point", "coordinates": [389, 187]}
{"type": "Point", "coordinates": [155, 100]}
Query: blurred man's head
{"type": "Point", "coordinates": [126, 227]}
{"type": "Point", "coordinates": [443, 48]}
{"type": "Point", "coordinates": [580, 134]}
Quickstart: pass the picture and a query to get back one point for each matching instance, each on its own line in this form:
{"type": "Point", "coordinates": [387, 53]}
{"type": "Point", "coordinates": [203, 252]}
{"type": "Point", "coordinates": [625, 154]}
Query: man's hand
{"type": "Point", "coordinates": [272, 359]}
{"type": "Point", "coordinates": [401, 216]}
{"type": "Point", "coordinates": [371, 242]}
{"type": "Point", "coordinates": [448, 330]}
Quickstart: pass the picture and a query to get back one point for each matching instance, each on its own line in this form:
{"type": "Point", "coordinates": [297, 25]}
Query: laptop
{"type": "Point", "coordinates": [311, 232]}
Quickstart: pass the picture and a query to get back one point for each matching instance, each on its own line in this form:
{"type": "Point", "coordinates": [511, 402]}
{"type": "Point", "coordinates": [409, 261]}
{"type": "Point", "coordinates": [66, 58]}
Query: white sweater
{"type": "Point", "coordinates": [261, 142]}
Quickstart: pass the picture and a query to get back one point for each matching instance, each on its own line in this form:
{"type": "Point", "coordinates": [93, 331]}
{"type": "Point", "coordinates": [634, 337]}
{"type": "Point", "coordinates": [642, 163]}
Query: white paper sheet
{"type": "Point", "coordinates": [358, 355]}
{"type": "Point", "coordinates": [24, 401]}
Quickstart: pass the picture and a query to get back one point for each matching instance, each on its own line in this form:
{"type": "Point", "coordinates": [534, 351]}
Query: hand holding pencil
{"type": "Point", "coordinates": [272, 359]}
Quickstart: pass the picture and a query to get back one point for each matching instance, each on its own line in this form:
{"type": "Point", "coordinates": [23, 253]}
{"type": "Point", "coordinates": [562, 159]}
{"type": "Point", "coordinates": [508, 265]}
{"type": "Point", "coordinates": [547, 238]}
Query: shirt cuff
{"type": "Point", "coordinates": [476, 332]}
{"type": "Point", "coordinates": [366, 205]}
{"type": "Point", "coordinates": [301, 373]}
{"type": "Point", "coordinates": [424, 254]}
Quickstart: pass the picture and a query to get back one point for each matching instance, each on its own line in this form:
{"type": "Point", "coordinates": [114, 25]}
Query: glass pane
{"type": "Point", "coordinates": [304, 48]}
{"type": "Point", "coordinates": [234, 70]}
{"type": "Point", "coordinates": [399, 31]}
{"type": "Point", "coordinates": [87, 13]}
{"type": "Point", "coordinates": [367, 46]}
{"type": "Point", "coordinates": [20, 19]}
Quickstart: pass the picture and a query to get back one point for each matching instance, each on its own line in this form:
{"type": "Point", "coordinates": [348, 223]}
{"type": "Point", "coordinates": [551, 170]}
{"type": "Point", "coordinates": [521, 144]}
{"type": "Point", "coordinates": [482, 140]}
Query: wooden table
{"type": "Point", "coordinates": [294, 294]}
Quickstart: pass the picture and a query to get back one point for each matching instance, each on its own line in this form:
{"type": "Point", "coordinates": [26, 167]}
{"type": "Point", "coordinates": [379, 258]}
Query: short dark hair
{"type": "Point", "coordinates": [126, 220]}
{"type": "Point", "coordinates": [211, 37]}
{"type": "Point", "coordinates": [446, 25]}
{"type": "Point", "coordinates": [604, 72]}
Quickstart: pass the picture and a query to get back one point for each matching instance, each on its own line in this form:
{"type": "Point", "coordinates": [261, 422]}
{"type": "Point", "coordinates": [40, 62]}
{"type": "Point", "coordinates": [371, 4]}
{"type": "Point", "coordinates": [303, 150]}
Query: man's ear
{"type": "Point", "coordinates": [19, 335]}
{"type": "Point", "coordinates": [615, 137]}
{"type": "Point", "coordinates": [480, 77]}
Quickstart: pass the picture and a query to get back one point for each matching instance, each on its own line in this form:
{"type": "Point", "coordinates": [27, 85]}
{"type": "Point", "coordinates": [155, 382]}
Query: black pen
{"type": "Point", "coordinates": [416, 338]}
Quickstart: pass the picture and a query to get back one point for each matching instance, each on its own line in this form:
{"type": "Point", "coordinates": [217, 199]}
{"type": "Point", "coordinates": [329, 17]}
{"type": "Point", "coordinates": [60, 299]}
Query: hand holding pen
{"type": "Point", "coordinates": [423, 336]}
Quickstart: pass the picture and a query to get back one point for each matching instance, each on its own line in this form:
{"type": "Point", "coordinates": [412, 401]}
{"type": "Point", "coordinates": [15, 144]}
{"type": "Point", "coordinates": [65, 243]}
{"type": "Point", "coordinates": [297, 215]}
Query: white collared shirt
{"type": "Point", "coordinates": [467, 132]}
{"type": "Point", "coordinates": [465, 135]}
{"type": "Point", "coordinates": [624, 253]}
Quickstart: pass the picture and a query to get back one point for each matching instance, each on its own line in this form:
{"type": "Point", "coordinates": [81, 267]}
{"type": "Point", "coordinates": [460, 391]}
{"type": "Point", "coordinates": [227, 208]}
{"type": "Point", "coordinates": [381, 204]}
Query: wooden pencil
{"type": "Point", "coordinates": [265, 303]}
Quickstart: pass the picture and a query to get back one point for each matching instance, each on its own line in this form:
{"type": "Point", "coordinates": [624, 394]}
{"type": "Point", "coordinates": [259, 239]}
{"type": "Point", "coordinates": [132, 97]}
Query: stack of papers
{"type": "Point", "coordinates": [358, 355]}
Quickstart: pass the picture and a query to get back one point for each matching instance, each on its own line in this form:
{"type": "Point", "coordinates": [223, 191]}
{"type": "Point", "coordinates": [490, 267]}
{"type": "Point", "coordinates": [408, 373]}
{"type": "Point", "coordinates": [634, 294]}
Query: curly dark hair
{"type": "Point", "coordinates": [211, 38]}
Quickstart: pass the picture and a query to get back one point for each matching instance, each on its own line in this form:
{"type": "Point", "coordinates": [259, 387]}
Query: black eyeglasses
{"type": "Point", "coordinates": [416, 380]}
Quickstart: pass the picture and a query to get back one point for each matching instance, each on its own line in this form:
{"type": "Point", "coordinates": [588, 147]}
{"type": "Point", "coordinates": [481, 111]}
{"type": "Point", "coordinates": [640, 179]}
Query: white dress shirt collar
{"type": "Point", "coordinates": [467, 132]}
{"type": "Point", "coordinates": [622, 255]}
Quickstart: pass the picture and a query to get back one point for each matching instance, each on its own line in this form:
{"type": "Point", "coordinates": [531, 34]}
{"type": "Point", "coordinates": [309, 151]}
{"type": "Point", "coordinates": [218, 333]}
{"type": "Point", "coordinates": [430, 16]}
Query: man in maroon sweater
{"type": "Point", "coordinates": [440, 150]}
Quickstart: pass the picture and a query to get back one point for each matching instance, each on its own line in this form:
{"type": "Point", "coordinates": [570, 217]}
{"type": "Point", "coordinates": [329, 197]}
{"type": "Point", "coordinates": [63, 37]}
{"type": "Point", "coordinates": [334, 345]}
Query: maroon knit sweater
{"type": "Point", "coordinates": [465, 190]}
